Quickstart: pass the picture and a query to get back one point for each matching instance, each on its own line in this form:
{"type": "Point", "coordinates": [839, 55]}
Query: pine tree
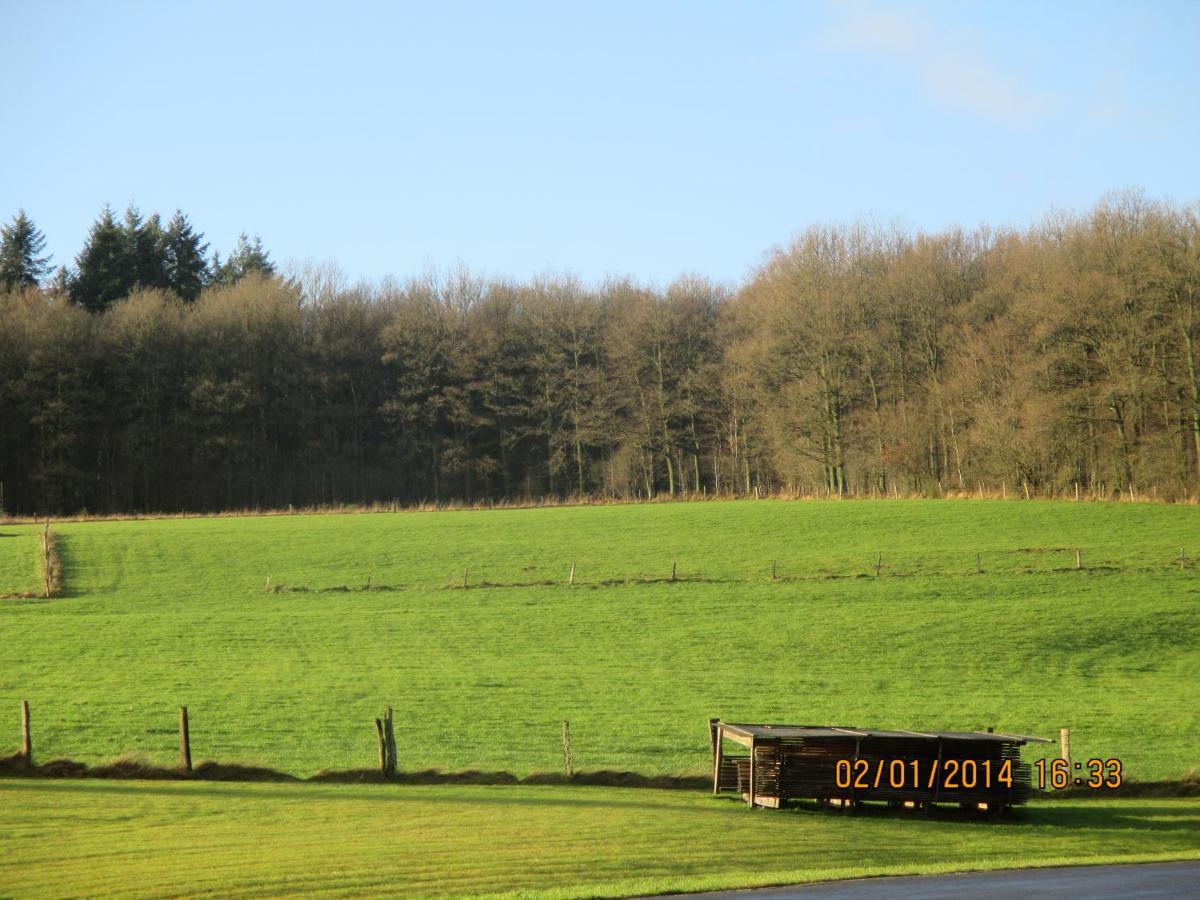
{"type": "Point", "coordinates": [249, 256]}
{"type": "Point", "coordinates": [22, 263]}
{"type": "Point", "coordinates": [187, 270]}
{"type": "Point", "coordinates": [60, 284]}
{"type": "Point", "coordinates": [147, 249]}
{"type": "Point", "coordinates": [105, 268]}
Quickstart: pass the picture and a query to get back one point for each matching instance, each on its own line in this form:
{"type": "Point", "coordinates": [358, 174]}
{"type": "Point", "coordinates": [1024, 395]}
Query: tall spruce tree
{"type": "Point", "coordinates": [186, 267]}
{"type": "Point", "coordinates": [22, 260]}
{"type": "Point", "coordinates": [147, 249]}
{"type": "Point", "coordinates": [249, 256]}
{"type": "Point", "coordinates": [105, 268]}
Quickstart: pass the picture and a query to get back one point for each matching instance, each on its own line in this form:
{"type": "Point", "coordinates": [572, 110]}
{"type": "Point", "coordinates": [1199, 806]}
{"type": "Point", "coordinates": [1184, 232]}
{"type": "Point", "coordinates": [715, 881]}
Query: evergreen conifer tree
{"type": "Point", "coordinates": [147, 249]}
{"type": "Point", "coordinates": [105, 269]}
{"type": "Point", "coordinates": [22, 261]}
{"type": "Point", "coordinates": [186, 268]}
{"type": "Point", "coordinates": [249, 256]}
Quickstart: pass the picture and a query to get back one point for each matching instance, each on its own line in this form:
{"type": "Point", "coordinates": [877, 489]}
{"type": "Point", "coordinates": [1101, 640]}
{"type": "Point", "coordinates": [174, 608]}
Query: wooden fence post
{"type": "Point", "coordinates": [26, 738]}
{"type": "Point", "coordinates": [389, 735]}
{"type": "Point", "coordinates": [1078, 560]}
{"type": "Point", "coordinates": [673, 565]}
{"type": "Point", "coordinates": [1182, 558]}
{"type": "Point", "coordinates": [1064, 742]}
{"type": "Point", "coordinates": [382, 747]}
{"type": "Point", "coordinates": [185, 741]}
{"type": "Point", "coordinates": [571, 580]}
{"type": "Point", "coordinates": [773, 575]}
{"type": "Point", "coordinates": [568, 766]}
{"type": "Point", "coordinates": [465, 577]}
{"type": "Point", "coordinates": [46, 554]}
{"type": "Point", "coordinates": [878, 565]}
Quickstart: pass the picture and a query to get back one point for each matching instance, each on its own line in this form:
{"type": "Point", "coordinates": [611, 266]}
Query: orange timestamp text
{"type": "Point", "coordinates": [907, 774]}
{"type": "Point", "coordinates": [1097, 774]}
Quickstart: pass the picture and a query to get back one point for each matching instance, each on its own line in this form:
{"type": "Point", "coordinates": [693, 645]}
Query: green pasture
{"type": "Point", "coordinates": [20, 554]}
{"type": "Point", "coordinates": [94, 838]}
{"type": "Point", "coordinates": [159, 613]}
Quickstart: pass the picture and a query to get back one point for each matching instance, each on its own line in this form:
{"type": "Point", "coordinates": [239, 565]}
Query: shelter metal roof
{"type": "Point", "coordinates": [743, 734]}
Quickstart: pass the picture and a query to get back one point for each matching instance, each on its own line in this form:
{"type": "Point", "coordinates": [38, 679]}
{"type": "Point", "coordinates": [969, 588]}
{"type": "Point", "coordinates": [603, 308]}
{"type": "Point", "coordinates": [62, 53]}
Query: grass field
{"type": "Point", "coordinates": [67, 839]}
{"type": "Point", "coordinates": [19, 561]}
{"type": "Point", "coordinates": [158, 613]}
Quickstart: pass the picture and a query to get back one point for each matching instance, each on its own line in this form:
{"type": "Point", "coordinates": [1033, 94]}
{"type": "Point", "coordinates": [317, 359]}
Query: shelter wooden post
{"type": "Point", "coordinates": [718, 752]}
{"type": "Point", "coordinates": [1064, 741]}
{"type": "Point", "coordinates": [26, 738]}
{"type": "Point", "coordinates": [185, 741]}
{"type": "Point", "coordinates": [753, 748]}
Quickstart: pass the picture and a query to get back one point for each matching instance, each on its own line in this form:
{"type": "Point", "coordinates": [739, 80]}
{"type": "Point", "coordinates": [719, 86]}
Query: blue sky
{"type": "Point", "coordinates": [644, 138]}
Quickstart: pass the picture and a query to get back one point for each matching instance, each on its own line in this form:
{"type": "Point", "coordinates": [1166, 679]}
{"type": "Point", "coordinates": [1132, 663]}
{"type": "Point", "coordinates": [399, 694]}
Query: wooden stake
{"type": "Point", "coordinates": [568, 766]}
{"type": "Point", "coordinates": [1078, 560]}
{"type": "Point", "coordinates": [978, 565]}
{"type": "Point", "coordinates": [368, 582]}
{"type": "Point", "coordinates": [673, 565]}
{"type": "Point", "coordinates": [878, 565]}
{"type": "Point", "coordinates": [571, 580]}
{"type": "Point", "coordinates": [383, 754]}
{"type": "Point", "coordinates": [26, 739]}
{"type": "Point", "coordinates": [464, 577]}
{"type": "Point", "coordinates": [773, 575]}
{"type": "Point", "coordinates": [1064, 743]}
{"type": "Point", "coordinates": [1182, 558]}
{"type": "Point", "coordinates": [267, 586]}
{"type": "Point", "coordinates": [185, 741]}
{"type": "Point", "coordinates": [46, 555]}
{"type": "Point", "coordinates": [389, 735]}
{"type": "Point", "coordinates": [1077, 492]}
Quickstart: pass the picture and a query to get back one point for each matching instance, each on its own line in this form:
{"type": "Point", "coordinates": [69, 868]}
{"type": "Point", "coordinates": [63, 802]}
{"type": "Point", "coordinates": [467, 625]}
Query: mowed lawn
{"type": "Point", "coordinates": [159, 613]}
{"type": "Point", "coordinates": [68, 839]}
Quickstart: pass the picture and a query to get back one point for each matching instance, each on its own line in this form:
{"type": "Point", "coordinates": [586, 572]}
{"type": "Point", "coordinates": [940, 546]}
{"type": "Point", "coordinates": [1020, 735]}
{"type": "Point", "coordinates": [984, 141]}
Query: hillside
{"type": "Point", "coordinates": [158, 613]}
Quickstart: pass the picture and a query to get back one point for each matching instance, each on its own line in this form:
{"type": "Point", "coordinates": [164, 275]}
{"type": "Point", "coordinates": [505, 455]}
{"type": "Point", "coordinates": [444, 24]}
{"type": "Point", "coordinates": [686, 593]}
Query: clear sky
{"type": "Point", "coordinates": [639, 138]}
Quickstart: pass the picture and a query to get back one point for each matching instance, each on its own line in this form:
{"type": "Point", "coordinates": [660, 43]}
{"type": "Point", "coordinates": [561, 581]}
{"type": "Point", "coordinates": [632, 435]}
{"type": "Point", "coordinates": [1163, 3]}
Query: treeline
{"type": "Point", "coordinates": [855, 360]}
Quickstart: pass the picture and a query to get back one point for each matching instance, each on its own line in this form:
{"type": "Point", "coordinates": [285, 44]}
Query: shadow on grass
{"type": "Point", "coordinates": [134, 769]}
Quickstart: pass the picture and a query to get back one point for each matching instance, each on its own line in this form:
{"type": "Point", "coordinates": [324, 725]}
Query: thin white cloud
{"type": "Point", "coordinates": [951, 65]}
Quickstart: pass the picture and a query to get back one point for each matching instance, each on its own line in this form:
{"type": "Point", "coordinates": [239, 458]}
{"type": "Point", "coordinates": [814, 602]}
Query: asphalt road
{"type": "Point", "coordinates": [1175, 879]}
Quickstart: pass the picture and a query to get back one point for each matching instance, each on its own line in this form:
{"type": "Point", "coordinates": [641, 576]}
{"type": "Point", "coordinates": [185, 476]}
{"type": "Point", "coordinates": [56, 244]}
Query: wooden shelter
{"type": "Point", "coordinates": [848, 766]}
